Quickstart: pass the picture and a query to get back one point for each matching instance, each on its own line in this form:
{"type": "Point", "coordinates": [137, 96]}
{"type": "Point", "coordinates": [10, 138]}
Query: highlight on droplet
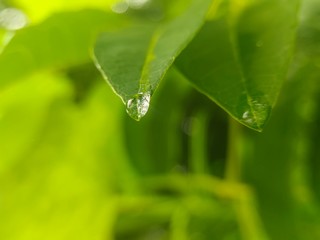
{"type": "Point", "coordinates": [248, 118]}
{"type": "Point", "coordinates": [138, 106]}
{"type": "Point", "coordinates": [256, 115]}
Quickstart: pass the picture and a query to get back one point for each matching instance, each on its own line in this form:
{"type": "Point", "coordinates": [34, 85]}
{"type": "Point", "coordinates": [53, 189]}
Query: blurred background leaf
{"type": "Point", "coordinates": [74, 166]}
{"type": "Point", "coordinates": [37, 11]}
{"type": "Point", "coordinates": [63, 40]}
{"type": "Point", "coordinates": [246, 58]}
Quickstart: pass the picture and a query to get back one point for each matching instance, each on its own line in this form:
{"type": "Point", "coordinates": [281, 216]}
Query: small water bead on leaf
{"type": "Point", "coordinates": [254, 111]}
{"type": "Point", "coordinates": [138, 106]}
{"type": "Point", "coordinates": [247, 117]}
{"type": "Point", "coordinates": [256, 116]}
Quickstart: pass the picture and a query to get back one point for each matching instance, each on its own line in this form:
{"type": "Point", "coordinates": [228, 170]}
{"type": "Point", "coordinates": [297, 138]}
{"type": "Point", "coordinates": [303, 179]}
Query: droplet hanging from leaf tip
{"type": "Point", "coordinates": [138, 106]}
{"type": "Point", "coordinates": [256, 115]}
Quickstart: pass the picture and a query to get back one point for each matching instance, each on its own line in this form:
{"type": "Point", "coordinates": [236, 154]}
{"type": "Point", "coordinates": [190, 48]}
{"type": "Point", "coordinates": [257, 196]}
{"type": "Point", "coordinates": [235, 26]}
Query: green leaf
{"type": "Point", "coordinates": [21, 120]}
{"type": "Point", "coordinates": [62, 40]}
{"type": "Point", "coordinates": [163, 154]}
{"type": "Point", "coordinates": [135, 60]}
{"type": "Point", "coordinates": [280, 164]}
{"type": "Point", "coordinates": [38, 11]}
{"type": "Point", "coordinates": [59, 161]}
{"type": "Point", "coordinates": [240, 59]}
{"type": "Point", "coordinates": [309, 32]}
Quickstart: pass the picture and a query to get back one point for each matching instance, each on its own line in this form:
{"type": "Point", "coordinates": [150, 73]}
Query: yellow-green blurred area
{"type": "Point", "coordinates": [73, 165]}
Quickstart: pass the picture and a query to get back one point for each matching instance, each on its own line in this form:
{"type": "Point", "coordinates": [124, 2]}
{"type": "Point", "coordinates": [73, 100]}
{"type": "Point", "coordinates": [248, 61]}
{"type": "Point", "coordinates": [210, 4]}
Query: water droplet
{"type": "Point", "coordinates": [257, 114]}
{"type": "Point", "coordinates": [247, 117]}
{"type": "Point", "coordinates": [138, 106]}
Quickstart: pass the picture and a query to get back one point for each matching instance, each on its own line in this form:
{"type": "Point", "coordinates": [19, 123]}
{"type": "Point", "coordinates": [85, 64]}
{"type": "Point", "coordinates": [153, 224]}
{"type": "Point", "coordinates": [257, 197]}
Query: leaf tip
{"type": "Point", "coordinates": [256, 116]}
{"type": "Point", "coordinates": [138, 106]}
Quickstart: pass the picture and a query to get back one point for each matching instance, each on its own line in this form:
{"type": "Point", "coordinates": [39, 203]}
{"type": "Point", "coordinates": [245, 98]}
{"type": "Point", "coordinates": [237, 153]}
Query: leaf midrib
{"type": "Point", "coordinates": [144, 82]}
{"type": "Point", "coordinates": [235, 50]}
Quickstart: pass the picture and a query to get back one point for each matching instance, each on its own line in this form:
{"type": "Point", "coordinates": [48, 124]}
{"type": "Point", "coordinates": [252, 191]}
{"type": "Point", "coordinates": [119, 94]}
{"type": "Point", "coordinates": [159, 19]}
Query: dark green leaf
{"type": "Point", "coordinates": [280, 161]}
{"type": "Point", "coordinates": [240, 59]}
{"type": "Point", "coordinates": [135, 60]}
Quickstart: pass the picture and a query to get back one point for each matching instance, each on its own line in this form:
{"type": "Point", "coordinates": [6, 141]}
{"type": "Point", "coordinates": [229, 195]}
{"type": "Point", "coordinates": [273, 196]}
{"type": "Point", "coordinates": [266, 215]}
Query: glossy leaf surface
{"type": "Point", "coordinates": [245, 57]}
{"type": "Point", "coordinates": [135, 60]}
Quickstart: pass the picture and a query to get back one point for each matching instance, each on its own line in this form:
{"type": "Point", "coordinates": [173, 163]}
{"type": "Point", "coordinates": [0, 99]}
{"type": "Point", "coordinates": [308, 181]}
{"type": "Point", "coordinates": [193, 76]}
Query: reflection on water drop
{"type": "Point", "coordinates": [137, 107]}
{"type": "Point", "coordinates": [247, 117]}
{"type": "Point", "coordinates": [257, 114]}
{"type": "Point", "coordinates": [12, 19]}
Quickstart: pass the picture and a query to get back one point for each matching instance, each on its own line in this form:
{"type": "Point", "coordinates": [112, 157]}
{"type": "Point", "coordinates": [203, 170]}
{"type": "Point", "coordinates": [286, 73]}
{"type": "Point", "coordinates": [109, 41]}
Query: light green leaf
{"type": "Point", "coordinates": [22, 120]}
{"type": "Point", "coordinates": [59, 161]}
{"type": "Point", "coordinates": [135, 60]}
{"type": "Point", "coordinates": [37, 11]}
{"type": "Point", "coordinates": [62, 40]}
{"type": "Point", "coordinates": [240, 59]}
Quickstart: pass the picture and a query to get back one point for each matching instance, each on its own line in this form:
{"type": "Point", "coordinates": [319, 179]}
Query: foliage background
{"type": "Point", "coordinates": [74, 166]}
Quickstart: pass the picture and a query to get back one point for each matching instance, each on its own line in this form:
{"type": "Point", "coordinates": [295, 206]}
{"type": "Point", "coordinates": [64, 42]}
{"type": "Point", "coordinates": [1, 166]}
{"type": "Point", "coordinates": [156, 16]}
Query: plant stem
{"type": "Point", "coordinates": [198, 157]}
{"type": "Point", "coordinates": [233, 165]}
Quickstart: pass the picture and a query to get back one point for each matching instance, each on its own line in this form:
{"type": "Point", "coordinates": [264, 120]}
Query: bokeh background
{"type": "Point", "coordinates": [73, 165]}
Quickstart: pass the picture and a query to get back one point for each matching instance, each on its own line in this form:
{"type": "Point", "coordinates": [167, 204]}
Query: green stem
{"type": "Point", "coordinates": [198, 156]}
{"type": "Point", "coordinates": [244, 205]}
{"type": "Point", "coordinates": [179, 224]}
{"type": "Point", "coordinates": [233, 166]}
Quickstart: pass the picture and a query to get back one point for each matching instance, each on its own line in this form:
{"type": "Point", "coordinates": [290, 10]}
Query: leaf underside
{"type": "Point", "coordinates": [135, 60]}
{"type": "Point", "coordinates": [240, 59]}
